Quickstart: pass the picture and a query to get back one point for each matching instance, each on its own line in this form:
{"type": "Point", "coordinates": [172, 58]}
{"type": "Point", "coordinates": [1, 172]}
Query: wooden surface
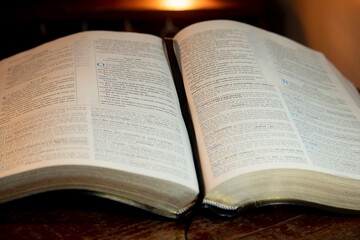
{"type": "Point", "coordinates": [71, 215]}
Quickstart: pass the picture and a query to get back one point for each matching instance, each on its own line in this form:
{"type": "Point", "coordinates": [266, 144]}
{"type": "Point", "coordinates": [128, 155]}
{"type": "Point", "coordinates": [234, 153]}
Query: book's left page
{"type": "Point", "coordinates": [99, 99]}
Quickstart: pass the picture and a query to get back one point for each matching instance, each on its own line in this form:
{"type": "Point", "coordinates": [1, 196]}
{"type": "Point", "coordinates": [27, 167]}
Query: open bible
{"type": "Point", "coordinates": [99, 111]}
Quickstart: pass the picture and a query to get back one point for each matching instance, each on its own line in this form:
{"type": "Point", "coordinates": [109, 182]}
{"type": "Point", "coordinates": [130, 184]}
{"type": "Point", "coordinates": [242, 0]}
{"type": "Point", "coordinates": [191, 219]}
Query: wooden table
{"type": "Point", "coordinates": [72, 215]}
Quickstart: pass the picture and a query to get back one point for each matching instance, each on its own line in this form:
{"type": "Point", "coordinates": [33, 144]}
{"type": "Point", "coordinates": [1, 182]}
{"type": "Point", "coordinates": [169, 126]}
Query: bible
{"type": "Point", "coordinates": [224, 114]}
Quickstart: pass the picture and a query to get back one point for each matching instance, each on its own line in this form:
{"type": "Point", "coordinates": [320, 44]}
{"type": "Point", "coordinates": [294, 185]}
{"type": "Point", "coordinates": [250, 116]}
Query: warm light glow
{"type": "Point", "coordinates": [170, 5]}
{"type": "Point", "coordinates": [178, 4]}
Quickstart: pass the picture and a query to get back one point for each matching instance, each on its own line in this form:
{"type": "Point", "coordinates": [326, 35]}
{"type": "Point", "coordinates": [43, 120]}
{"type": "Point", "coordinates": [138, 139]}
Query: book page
{"type": "Point", "coordinates": [96, 98]}
{"type": "Point", "coordinates": [322, 104]}
{"type": "Point", "coordinates": [262, 102]}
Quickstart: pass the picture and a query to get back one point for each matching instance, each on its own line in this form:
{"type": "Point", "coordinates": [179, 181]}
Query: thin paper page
{"type": "Point", "coordinates": [240, 120]}
{"type": "Point", "coordinates": [324, 112]}
{"type": "Point", "coordinates": [247, 93]}
{"type": "Point", "coordinates": [98, 98]}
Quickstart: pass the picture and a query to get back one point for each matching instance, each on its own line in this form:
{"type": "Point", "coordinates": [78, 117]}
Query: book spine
{"type": "Point", "coordinates": [179, 85]}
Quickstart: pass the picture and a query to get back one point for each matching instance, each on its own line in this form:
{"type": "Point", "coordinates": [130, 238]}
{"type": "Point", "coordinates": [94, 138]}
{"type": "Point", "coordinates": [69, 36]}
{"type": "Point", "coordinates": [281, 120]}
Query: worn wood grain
{"type": "Point", "coordinates": [68, 215]}
{"type": "Point", "coordinates": [278, 222]}
{"type": "Point", "coordinates": [72, 215]}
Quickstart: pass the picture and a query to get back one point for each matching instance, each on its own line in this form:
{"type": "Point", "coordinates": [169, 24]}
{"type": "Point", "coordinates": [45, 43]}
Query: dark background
{"type": "Point", "coordinates": [26, 24]}
{"type": "Point", "coordinates": [329, 26]}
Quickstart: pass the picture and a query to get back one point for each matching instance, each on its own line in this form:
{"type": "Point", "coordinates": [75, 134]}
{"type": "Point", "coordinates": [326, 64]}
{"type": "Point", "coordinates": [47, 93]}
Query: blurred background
{"type": "Point", "coordinates": [329, 26]}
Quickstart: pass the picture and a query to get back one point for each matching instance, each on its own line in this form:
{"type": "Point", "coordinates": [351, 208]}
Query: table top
{"type": "Point", "coordinates": [72, 215]}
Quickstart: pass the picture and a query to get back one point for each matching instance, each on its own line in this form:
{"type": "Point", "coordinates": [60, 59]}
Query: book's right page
{"type": "Point", "coordinates": [262, 102]}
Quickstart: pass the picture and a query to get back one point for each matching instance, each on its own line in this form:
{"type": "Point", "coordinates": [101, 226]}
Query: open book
{"type": "Point", "coordinates": [99, 111]}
